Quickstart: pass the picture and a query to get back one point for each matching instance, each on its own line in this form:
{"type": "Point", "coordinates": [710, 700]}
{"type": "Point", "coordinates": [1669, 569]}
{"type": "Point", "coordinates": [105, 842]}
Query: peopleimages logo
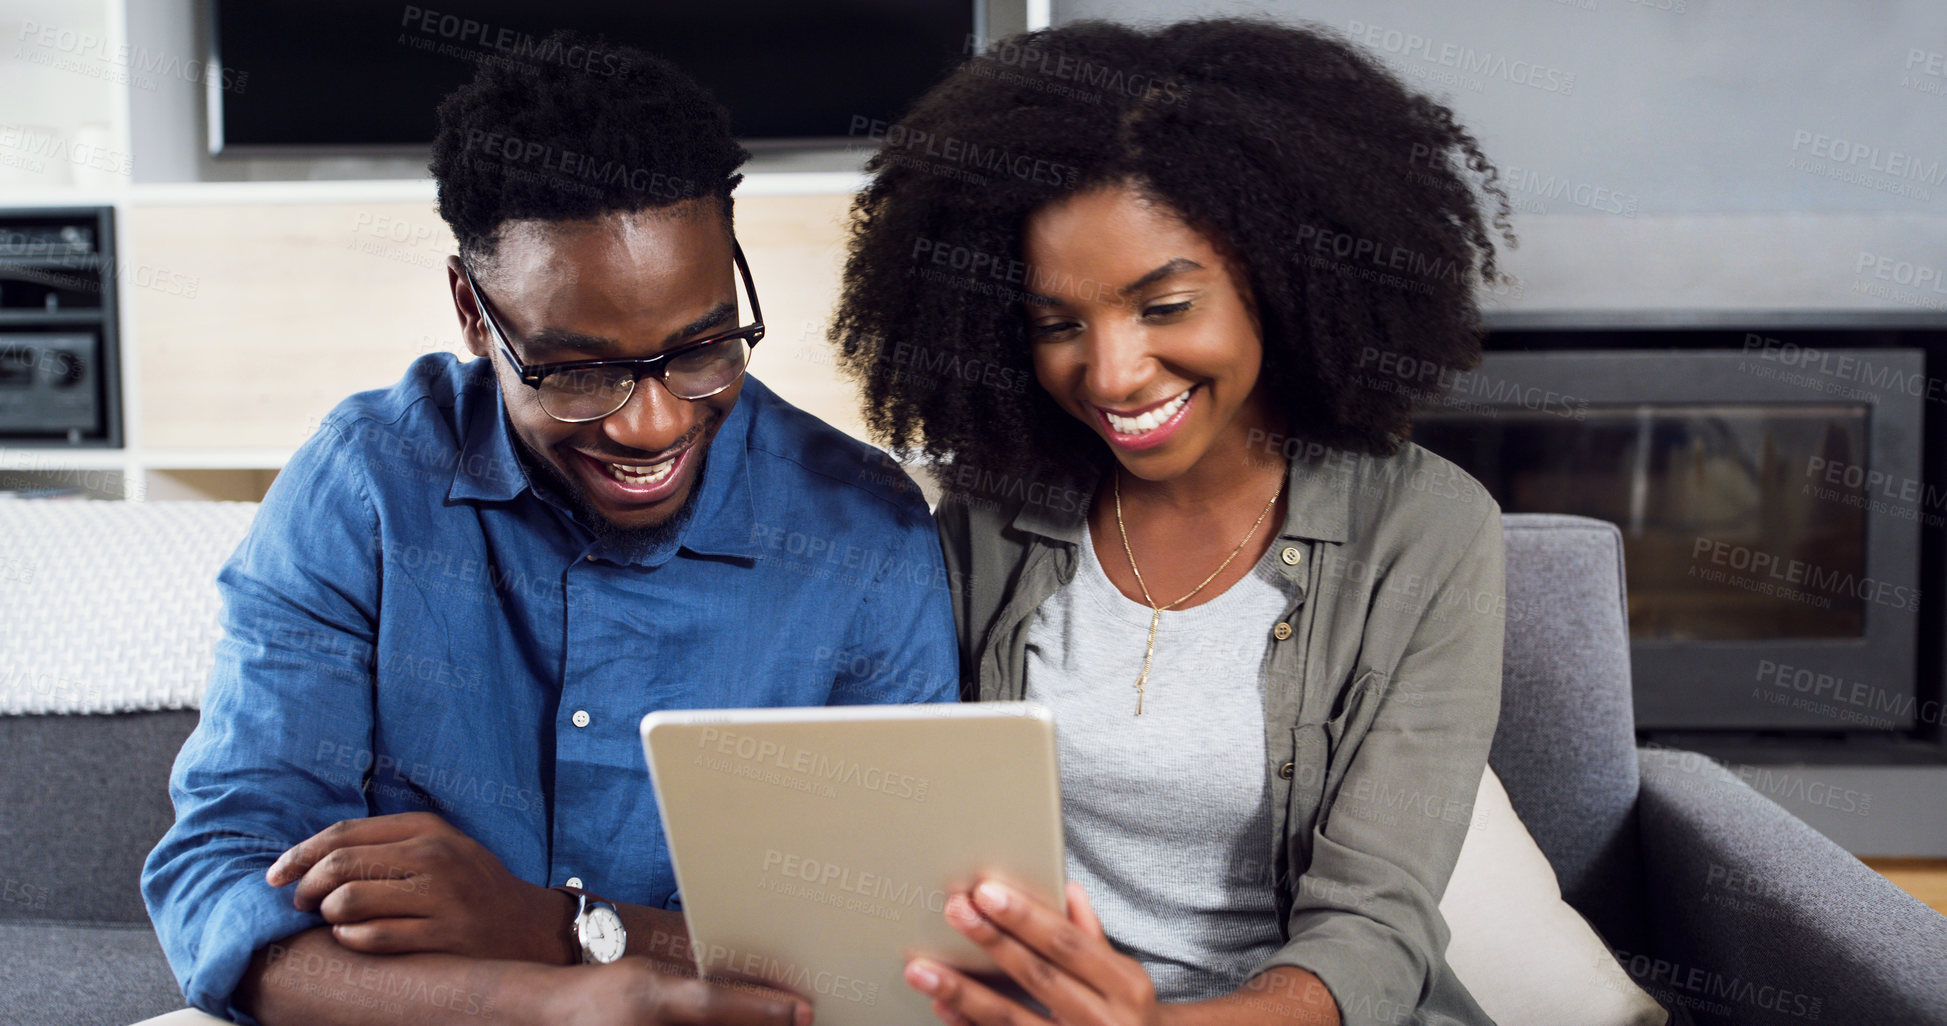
{"type": "Point", "coordinates": [1820, 582]}
{"type": "Point", "coordinates": [32, 149]}
{"type": "Point", "coordinates": [1815, 684]}
{"type": "Point", "coordinates": [1598, 198]}
{"type": "Point", "coordinates": [1865, 165]}
{"type": "Point", "coordinates": [569, 166]}
{"type": "Point", "coordinates": [788, 975]}
{"type": "Point", "coordinates": [1463, 59]}
{"type": "Point", "coordinates": [1896, 163]}
{"type": "Point", "coordinates": [1056, 66]}
{"type": "Point", "coordinates": [891, 894]}
{"type": "Point", "coordinates": [1925, 71]}
{"type": "Point", "coordinates": [504, 42]}
{"type": "Point", "coordinates": [122, 64]}
{"type": "Point", "coordinates": [898, 139]}
{"type": "Point", "coordinates": [1653, 973]}
{"type": "Point", "coordinates": [817, 765]}
{"type": "Point", "coordinates": [1823, 368]}
{"type": "Point", "coordinates": [1901, 272]}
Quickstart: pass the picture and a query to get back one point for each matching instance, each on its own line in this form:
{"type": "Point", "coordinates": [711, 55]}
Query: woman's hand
{"type": "Point", "coordinates": [1065, 962]}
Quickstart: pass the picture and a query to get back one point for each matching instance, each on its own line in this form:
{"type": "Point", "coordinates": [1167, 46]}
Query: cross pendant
{"type": "Point", "coordinates": [1149, 651]}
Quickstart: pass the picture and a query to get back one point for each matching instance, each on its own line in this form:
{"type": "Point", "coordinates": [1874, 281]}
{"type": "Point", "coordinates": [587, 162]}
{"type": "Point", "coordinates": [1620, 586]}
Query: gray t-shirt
{"type": "Point", "coordinates": [1168, 814]}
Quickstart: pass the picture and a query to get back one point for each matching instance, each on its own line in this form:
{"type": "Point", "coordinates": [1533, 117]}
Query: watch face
{"type": "Point", "coordinates": [602, 935]}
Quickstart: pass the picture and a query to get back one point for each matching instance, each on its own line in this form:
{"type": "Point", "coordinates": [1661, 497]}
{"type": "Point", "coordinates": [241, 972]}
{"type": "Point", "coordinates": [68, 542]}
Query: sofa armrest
{"type": "Point", "coordinates": [1758, 913]}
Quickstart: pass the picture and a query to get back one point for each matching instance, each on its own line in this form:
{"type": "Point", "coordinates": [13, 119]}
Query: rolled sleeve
{"type": "Point", "coordinates": [248, 916]}
{"type": "Point", "coordinates": [1365, 918]}
{"type": "Point", "coordinates": [286, 727]}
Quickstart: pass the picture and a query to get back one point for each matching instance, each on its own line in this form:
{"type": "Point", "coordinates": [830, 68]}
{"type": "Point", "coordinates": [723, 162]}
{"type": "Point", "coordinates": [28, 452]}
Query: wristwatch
{"type": "Point", "coordinates": [598, 929]}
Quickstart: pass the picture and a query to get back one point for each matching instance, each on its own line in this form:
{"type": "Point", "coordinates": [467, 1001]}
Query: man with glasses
{"type": "Point", "coordinates": [416, 793]}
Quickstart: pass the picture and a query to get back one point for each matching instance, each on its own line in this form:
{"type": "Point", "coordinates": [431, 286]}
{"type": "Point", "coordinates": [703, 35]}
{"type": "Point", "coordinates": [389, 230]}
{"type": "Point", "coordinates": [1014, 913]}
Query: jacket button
{"type": "Point", "coordinates": [1291, 555]}
{"type": "Point", "coordinates": [1282, 631]}
{"type": "Point", "coordinates": [1285, 771]}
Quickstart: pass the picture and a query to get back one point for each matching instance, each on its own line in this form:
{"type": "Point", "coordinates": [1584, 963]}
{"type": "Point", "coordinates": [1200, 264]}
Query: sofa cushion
{"type": "Point", "coordinates": [111, 607]}
{"type": "Point", "coordinates": [54, 974]}
{"type": "Point", "coordinates": [82, 802]}
{"type": "Point", "coordinates": [1526, 956]}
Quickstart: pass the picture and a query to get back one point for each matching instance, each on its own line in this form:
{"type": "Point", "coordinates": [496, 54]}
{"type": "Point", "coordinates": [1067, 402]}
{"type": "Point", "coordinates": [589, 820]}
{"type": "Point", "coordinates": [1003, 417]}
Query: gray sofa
{"type": "Point", "coordinates": [1718, 901]}
{"type": "Point", "coordinates": [107, 619]}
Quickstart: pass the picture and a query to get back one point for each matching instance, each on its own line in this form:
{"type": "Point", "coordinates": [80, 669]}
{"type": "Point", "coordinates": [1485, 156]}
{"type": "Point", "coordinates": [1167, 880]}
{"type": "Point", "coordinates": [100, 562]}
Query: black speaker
{"type": "Point", "coordinates": [60, 367]}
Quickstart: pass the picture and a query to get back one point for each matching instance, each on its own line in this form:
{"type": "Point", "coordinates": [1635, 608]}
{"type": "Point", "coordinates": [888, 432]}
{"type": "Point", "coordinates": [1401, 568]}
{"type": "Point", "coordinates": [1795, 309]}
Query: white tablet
{"type": "Point", "coordinates": [814, 848]}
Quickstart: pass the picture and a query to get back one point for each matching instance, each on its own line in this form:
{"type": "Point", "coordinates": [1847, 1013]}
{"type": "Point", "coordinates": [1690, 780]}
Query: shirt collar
{"type": "Point", "coordinates": [489, 469]}
{"type": "Point", "coordinates": [725, 501]}
{"type": "Point", "coordinates": [1318, 506]}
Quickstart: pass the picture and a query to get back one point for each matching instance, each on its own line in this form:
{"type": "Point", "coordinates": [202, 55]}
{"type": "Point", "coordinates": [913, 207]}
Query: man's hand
{"type": "Point", "coordinates": [412, 882]}
{"type": "Point", "coordinates": [309, 979]}
{"type": "Point", "coordinates": [631, 990]}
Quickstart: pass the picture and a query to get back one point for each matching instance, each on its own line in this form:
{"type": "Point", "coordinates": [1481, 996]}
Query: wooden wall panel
{"type": "Point", "coordinates": [255, 319]}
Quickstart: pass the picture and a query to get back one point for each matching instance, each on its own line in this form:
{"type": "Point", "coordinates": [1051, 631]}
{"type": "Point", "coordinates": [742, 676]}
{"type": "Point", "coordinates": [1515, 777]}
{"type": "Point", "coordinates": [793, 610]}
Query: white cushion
{"type": "Point", "coordinates": [1529, 958]}
{"type": "Point", "coordinates": [110, 607]}
{"type": "Point", "coordinates": [186, 1017]}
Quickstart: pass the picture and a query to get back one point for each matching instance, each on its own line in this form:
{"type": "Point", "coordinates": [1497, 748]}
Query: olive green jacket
{"type": "Point", "coordinates": [1382, 690]}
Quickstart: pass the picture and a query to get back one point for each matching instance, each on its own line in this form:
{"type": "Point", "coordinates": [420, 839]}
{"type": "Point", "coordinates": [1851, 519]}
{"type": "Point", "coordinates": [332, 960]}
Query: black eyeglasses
{"type": "Point", "coordinates": [583, 390]}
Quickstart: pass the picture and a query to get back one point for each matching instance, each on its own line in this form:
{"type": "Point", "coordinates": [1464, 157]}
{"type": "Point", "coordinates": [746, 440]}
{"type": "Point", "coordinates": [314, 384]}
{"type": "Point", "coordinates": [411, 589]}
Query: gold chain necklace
{"type": "Point", "coordinates": [1156, 611]}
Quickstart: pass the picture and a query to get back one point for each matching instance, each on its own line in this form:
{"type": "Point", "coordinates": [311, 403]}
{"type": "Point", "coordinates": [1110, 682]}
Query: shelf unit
{"type": "Point", "coordinates": [59, 325]}
{"type": "Point", "coordinates": [225, 240]}
{"type": "Point", "coordinates": [289, 294]}
{"type": "Point", "coordinates": [247, 309]}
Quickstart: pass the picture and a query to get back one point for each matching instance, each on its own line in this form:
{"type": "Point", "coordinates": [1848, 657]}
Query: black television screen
{"type": "Point", "coordinates": [368, 74]}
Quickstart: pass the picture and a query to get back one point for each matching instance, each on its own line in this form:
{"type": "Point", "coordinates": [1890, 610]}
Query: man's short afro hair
{"type": "Point", "coordinates": [575, 129]}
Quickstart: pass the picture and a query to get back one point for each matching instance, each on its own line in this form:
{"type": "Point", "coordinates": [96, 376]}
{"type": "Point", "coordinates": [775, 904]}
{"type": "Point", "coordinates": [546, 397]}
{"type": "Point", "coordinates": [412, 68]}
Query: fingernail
{"type": "Point", "coordinates": [993, 896]}
{"type": "Point", "coordinates": [921, 975]}
{"type": "Point", "coordinates": [961, 910]}
{"type": "Point", "coordinates": [803, 1017]}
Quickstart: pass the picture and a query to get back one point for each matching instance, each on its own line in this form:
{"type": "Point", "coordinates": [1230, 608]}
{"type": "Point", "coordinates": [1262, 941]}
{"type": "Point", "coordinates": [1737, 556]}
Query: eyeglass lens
{"type": "Point", "coordinates": [596, 392]}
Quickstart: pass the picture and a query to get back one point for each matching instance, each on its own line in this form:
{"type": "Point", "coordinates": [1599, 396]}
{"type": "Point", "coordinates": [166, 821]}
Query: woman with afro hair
{"type": "Point", "coordinates": [1156, 306]}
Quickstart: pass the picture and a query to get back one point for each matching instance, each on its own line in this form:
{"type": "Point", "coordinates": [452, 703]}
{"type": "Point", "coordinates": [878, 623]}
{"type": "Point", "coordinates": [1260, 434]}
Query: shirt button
{"type": "Point", "coordinates": [1281, 632]}
{"type": "Point", "coordinates": [580, 718]}
{"type": "Point", "coordinates": [1285, 771]}
{"type": "Point", "coordinates": [575, 882]}
{"type": "Point", "coordinates": [1291, 555]}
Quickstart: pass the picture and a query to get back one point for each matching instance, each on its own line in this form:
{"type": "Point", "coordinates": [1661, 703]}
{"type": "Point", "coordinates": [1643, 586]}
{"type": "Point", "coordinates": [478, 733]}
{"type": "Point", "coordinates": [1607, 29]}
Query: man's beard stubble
{"type": "Point", "coordinates": [632, 538]}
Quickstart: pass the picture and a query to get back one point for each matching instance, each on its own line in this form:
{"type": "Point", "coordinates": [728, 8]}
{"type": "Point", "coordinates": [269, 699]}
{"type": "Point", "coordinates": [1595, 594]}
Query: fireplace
{"type": "Point", "coordinates": [1775, 492]}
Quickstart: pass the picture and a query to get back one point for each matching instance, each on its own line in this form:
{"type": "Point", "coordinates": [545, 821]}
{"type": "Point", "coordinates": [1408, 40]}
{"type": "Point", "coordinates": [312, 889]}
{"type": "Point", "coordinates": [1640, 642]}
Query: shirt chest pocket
{"type": "Point", "coordinates": [1322, 752]}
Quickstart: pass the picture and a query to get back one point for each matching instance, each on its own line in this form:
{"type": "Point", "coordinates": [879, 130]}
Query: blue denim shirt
{"type": "Point", "coordinates": [409, 626]}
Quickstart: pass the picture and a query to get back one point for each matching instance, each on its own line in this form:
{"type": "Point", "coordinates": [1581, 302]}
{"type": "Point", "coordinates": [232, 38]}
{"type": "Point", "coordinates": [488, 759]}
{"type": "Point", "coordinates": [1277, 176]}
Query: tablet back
{"type": "Point", "coordinates": [814, 848]}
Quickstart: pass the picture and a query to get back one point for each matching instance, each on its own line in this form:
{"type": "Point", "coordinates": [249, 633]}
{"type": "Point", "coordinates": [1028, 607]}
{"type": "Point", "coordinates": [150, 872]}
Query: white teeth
{"type": "Point", "coordinates": [650, 474]}
{"type": "Point", "coordinates": [1144, 423]}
